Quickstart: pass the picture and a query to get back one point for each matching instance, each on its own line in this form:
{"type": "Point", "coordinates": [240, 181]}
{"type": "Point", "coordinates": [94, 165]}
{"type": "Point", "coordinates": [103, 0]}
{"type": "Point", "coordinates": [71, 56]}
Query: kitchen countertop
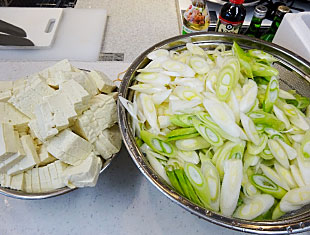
{"type": "Point", "coordinates": [123, 201]}
{"type": "Point", "coordinates": [136, 25]}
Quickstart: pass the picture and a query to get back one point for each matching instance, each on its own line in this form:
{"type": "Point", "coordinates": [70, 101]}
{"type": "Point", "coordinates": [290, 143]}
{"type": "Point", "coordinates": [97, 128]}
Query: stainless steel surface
{"type": "Point", "coordinates": [34, 196]}
{"type": "Point", "coordinates": [294, 72]}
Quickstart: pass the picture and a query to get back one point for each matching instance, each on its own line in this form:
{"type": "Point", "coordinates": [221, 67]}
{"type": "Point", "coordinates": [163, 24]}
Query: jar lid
{"type": "Point", "coordinates": [237, 1]}
{"type": "Point", "coordinates": [260, 11]}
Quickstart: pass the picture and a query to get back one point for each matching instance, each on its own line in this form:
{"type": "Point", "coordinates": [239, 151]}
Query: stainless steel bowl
{"type": "Point", "coordinates": [294, 73]}
{"type": "Point", "coordinates": [34, 196]}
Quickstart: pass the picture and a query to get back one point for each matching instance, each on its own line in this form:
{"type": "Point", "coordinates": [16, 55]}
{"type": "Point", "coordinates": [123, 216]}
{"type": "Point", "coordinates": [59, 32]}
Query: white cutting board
{"type": "Point", "coordinates": [40, 24]}
{"type": "Point", "coordinates": [79, 38]}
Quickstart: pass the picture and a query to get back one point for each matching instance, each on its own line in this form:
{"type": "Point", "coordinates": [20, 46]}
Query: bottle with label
{"type": "Point", "coordinates": [231, 17]}
{"type": "Point", "coordinates": [256, 22]}
{"type": "Point", "coordinates": [196, 18]}
{"type": "Point", "coordinates": [269, 35]}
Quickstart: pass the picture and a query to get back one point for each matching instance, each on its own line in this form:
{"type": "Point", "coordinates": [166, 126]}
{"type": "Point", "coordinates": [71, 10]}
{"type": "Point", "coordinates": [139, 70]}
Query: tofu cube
{"type": "Point", "coordinates": [6, 85]}
{"type": "Point", "coordinates": [108, 142]}
{"type": "Point", "coordinates": [35, 180]}
{"type": "Point", "coordinates": [28, 181]}
{"type": "Point", "coordinates": [30, 96]}
{"type": "Point", "coordinates": [77, 95]}
{"type": "Point", "coordinates": [45, 179]}
{"type": "Point", "coordinates": [103, 83]}
{"type": "Point", "coordinates": [69, 147]}
{"type": "Point", "coordinates": [5, 95]}
{"type": "Point", "coordinates": [13, 116]}
{"type": "Point", "coordinates": [14, 159]}
{"type": "Point", "coordinates": [85, 174]}
{"type": "Point", "coordinates": [31, 159]}
{"type": "Point", "coordinates": [44, 156]}
{"type": "Point", "coordinates": [102, 114]}
{"type": "Point", "coordinates": [55, 179]}
{"type": "Point", "coordinates": [18, 182]}
{"type": "Point", "coordinates": [8, 145]}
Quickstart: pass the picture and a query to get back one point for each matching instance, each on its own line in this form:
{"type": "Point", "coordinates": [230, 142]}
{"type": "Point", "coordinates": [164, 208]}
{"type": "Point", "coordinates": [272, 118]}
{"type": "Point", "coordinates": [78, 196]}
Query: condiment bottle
{"type": "Point", "coordinates": [260, 12]}
{"type": "Point", "coordinates": [231, 17]}
{"type": "Point", "coordinates": [196, 18]}
{"type": "Point", "coordinates": [269, 35]}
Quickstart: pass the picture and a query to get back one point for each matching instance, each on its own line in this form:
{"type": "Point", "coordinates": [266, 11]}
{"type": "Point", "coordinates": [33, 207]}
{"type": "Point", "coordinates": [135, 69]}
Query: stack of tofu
{"type": "Point", "coordinates": [54, 125]}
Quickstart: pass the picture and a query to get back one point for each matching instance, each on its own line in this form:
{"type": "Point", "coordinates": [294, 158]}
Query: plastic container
{"type": "Point", "coordinates": [294, 33]}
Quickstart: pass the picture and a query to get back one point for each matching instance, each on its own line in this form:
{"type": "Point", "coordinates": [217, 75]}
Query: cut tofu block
{"type": "Point", "coordinates": [57, 181]}
{"type": "Point", "coordinates": [28, 181]}
{"type": "Point", "coordinates": [44, 156]}
{"type": "Point", "coordinates": [53, 115]}
{"type": "Point", "coordinates": [108, 142]}
{"type": "Point", "coordinates": [8, 144]}
{"type": "Point", "coordinates": [6, 85]}
{"type": "Point", "coordinates": [18, 182]}
{"type": "Point", "coordinates": [45, 179]}
{"type": "Point", "coordinates": [34, 130]}
{"type": "Point", "coordinates": [85, 174]}
{"type": "Point", "coordinates": [13, 116]}
{"type": "Point", "coordinates": [14, 159]}
{"type": "Point", "coordinates": [5, 95]}
{"type": "Point", "coordinates": [69, 147]}
{"type": "Point", "coordinates": [62, 109]}
{"type": "Point", "coordinates": [2, 179]}
{"type": "Point", "coordinates": [103, 83]}
{"type": "Point", "coordinates": [35, 180]}
{"type": "Point", "coordinates": [77, 95]}
{"type": "Point", "coordinates": [19, 85]}
{"type": "Point", "coordinates": [49, 73]}
{"type": "Point", "coordinates": [102, 114]}
{"type": "Point", "coordinates": [6, 180]}
{"type": "Point", "coordinates": [31, 95]}
{"type": "Point", "coordinates": [31, 159]}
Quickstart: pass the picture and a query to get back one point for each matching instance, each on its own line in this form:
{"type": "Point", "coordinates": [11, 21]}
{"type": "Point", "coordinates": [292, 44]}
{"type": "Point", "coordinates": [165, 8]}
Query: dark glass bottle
{"type": "Point", "coordinates": [269, 35]}
{"type": "Point", "coordinates": [256, 22]}
{"type": "Point", "coordinates": [231, 17]}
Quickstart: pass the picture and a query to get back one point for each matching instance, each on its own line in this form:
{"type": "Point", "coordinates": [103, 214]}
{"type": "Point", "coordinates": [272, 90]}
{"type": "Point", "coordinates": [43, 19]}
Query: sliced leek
{"type": "Point", "coordinates": [266, 185]}
{"type": "Point", "coordinates": [231, 186]}
{"type": "Point", "coordinates": [157, 144]}
{"type": "Point", "coordinates": [266, 119]}
{"type": "Point", "coordinates": [209, 134]}
{"type": "Point", "coordinates": [272, 93]}
{"type": "Point", "coordinates": [191, 144]}
{"type": "Point", "coordinates": [256, 206]}
{"type": "Point", "coordinates": [198, 182]}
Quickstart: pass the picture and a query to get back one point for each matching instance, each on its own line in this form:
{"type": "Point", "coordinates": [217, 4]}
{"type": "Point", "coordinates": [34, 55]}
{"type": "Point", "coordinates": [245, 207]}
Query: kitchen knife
{"type": "Point", "coordinates": [11, 29]}
{"type": "Point", "coordinates": [11, 40]}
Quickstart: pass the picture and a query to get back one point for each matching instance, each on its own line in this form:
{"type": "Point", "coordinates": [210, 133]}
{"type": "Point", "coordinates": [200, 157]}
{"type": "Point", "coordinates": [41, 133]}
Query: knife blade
{"type": "Point", "coordinates": [11, 40]}
{"type": "Point", "coordinates": [11, 29]}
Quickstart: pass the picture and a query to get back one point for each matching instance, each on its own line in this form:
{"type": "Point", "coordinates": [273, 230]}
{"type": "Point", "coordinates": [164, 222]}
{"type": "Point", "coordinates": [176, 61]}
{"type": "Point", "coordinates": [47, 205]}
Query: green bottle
{"type": "Point", "coordinates": [269, 35]}
{"type": "Point", "coordinates": [259, 14]}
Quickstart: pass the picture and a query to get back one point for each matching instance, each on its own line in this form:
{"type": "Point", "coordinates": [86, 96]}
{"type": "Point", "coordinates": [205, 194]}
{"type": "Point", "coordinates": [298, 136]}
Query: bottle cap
{"type": "Point", "coordinates": [282, 10]}
{"type": "Point", "coordinates": [260, 11]}
{"type": "Point", "coordinates": [237, 1]}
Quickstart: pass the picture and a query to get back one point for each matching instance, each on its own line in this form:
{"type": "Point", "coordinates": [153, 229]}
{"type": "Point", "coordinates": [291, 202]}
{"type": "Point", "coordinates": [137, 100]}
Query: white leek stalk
{"type": "Point", "coordinates": [222, 116]}
{"type": "Point", "coordinates": [231, 186]}
{"type": "Point", "coordinates": [295, 199]}
{"type": "Point", "coordinates": [255, 206]}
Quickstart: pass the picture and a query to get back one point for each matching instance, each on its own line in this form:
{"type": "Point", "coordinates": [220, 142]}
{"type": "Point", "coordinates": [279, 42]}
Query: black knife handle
{"type": "Point", "coordinates": [11, 29]}
{"type": "Point", "coordinates": [10, 40]}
